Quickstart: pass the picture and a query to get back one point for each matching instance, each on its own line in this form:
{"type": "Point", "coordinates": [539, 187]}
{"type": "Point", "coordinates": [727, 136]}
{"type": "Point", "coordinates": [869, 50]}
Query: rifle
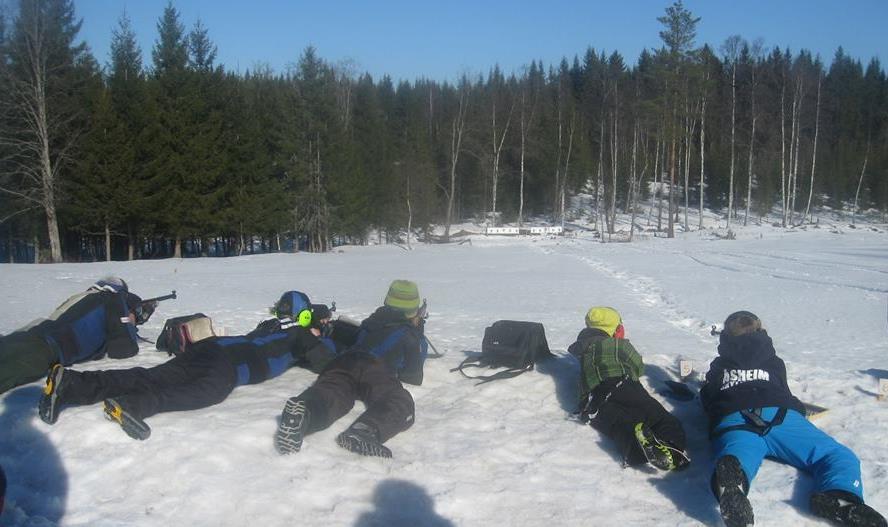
{"type": "Point", "coordinates": [423, 314]}
{"type": "Point", "coordinates": [158, 299]}
{"type": "Point", "coordinates": [146, 307]}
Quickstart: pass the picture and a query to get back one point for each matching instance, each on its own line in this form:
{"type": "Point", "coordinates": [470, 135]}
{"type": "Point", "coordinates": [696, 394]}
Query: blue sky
{"type": "Point", "coordinates": [440, 40]}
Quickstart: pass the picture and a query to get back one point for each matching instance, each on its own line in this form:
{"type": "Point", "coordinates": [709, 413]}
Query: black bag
{"type": "Point", "coordinates": [508, 344]}
{"type": "Point", "coordinates": [180, 332]}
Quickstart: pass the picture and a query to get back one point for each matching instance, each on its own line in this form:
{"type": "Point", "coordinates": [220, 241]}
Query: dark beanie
{"type": "Point", "coordinates": [741, 323]}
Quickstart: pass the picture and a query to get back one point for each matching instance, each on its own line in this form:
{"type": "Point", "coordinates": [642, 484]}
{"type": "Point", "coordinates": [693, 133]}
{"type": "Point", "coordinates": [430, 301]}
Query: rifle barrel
{"type": "Point", "coordinates": [171, 296]}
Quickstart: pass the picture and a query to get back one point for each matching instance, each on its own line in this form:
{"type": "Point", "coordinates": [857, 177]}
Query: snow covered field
{"type": "Point", "coordinates": [502, 453]}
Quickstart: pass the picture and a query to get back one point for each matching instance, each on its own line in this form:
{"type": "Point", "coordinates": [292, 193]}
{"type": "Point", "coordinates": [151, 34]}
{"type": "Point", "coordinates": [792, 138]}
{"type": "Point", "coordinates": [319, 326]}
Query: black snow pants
{"type": "Point", "coordinates": [24, 357]}
{"type": "Point", "coordinates": [620, 408]}
{"type": "Point", "coordinates": [359, 376]}
{"type": "Point", "coordinates": [193, 380]}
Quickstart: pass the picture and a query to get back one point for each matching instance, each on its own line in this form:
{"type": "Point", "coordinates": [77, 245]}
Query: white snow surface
{"type": "Point", "coordinates": [503, 453]}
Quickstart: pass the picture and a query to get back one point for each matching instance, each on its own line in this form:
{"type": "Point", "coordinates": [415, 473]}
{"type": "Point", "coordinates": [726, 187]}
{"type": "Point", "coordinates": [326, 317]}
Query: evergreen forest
{"type": "Point", "coordinates": [183, 157]}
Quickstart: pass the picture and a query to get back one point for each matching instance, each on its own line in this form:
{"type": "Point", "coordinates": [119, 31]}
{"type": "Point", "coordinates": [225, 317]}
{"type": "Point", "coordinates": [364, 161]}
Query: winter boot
{"type": "Point", "coordinates": [51, 401]}
{"type": "Point", "coordinates": [363, 439]}
{"type": "Point", "coordinates": [729, 484]}
{"type": "Point", "coordinates": [294, 424]}
{"type": "Point", "coordinates": [658, 453]}
{"type": "Point", "coordinates": [134, 426]}
{"type": "Point", "coordinates": [843, 508]}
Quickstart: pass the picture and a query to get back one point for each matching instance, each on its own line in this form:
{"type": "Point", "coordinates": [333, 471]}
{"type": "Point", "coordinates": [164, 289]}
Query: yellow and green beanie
{"type": "Point", "coordinates": [403, 295]}
{"type": "Point", "coordinates": [604, 318]}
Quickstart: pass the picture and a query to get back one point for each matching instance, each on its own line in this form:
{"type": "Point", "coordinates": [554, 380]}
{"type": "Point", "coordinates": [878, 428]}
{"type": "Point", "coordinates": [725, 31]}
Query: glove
{"type": "Point", "coordinates": [589, 408]}
{"type": "Point", "coordinates": [320, 312]}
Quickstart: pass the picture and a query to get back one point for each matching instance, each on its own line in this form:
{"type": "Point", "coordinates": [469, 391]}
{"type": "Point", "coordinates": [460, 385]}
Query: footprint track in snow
{"type": "Point", "coordinates": [649, 295]}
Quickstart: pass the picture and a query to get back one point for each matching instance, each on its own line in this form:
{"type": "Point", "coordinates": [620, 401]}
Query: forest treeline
{"type": "Point", "coordinates": [181, 156]}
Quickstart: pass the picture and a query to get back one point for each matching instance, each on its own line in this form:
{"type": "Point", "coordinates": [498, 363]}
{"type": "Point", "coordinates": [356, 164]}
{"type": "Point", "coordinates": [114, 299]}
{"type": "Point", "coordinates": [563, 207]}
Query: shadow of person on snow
{"type": "Point", "coordinates": [801, 494]}
{"type": "Point", "coordinates": [402, 503]}
{"type": "Point", "coordinates": [37, 484]}
{"type": "Point", "coordinates": [565, 371]}
{"type": "Point", "coordinates": [690, 492]}
{"type": "Point", "coordinates": [657, 376]}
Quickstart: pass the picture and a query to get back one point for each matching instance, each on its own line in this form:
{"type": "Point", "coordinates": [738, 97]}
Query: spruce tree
{"type": "Point", "coordinates": [171, 199]}
{"type": "Point", "coordinates": [127, 85]}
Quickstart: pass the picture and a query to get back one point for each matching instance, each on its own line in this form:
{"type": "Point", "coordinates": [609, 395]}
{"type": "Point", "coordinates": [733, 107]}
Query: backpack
{"type": "Point", "coordinates": [180, 332]}
{"type": "Point", "coordinates": [509, 344]}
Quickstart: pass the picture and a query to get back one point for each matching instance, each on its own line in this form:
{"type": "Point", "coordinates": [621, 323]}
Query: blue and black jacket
{"type": "Point", "coordinates": [91, 325]}
{"type": "Point", "coordinates": [388, 336]}
{"type": "Point", "coordinates": [746, 375]}
{"type": "Point", "coordinates": [264, 353]}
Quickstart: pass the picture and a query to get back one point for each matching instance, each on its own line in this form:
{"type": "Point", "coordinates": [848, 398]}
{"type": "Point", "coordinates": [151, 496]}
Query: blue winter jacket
{"type": "Point", "coordinates": [264, 353]}
{"type": "Point", "coordinates": [387, 335]}
{"type": "Point", "coordinates": [90, 325]}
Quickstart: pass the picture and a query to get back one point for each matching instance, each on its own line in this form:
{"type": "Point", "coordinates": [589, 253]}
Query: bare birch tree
{"type": "Point", "coordinates": [814, 149]}
{"type": "Point", "coordinates": [755, 52]}
{"type": "Point", "coordinates": [615, 145]}
{"type": "Point", "coordinates": [457, 129]}
{"type": "Point", "coordinates": [702, 153]}
{"type": "Point", "coordinates": [798, 98]}
{"type": "Point", "coordinates": [528, 109]}
{"type": "Point", "coordinates": [40, 141]}
{"type": "Point", "coordinates": [783, 146]}
{"type": "Point", "coordinates": [860, 183]}
{"type": "Point", "coordinates": [498, 141]}
{"type": "Point", "coordinates": [563, 187]}
{"type": "Point", "coordinates": [731, 50]}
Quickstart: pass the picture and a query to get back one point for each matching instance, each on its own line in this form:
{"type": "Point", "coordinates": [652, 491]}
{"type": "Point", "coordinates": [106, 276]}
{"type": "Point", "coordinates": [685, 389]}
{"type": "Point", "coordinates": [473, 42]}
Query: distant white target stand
{"type": "Point", "coordinates": [685, 369]}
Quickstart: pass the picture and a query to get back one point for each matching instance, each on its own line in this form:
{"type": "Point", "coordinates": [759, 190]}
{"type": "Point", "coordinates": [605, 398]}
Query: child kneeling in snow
{"type": "Point", "coordinates": [616, 404]}
{"type": "Point", "coordinates": [753, 415]}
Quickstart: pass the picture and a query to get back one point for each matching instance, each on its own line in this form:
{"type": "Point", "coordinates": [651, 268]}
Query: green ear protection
{"type": "Point", "coordinates": [304, 318]}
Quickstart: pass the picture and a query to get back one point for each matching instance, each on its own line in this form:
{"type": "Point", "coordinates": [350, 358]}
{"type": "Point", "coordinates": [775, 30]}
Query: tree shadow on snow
{"type": "Point", "coordinates": [402, 503]}
{"type": "Point", "coordinates": [37, 484]}
{"type": "Point", "coordinates": [565, 371]}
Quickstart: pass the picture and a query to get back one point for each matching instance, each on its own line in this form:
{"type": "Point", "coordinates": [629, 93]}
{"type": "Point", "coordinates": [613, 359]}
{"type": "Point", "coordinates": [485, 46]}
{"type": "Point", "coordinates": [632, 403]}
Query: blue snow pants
{"type": "Point", "coordinates": [797, 442]}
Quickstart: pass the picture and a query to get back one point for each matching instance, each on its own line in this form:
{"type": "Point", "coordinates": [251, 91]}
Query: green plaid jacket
{"type": "Point", "coordinates": [608, 357]}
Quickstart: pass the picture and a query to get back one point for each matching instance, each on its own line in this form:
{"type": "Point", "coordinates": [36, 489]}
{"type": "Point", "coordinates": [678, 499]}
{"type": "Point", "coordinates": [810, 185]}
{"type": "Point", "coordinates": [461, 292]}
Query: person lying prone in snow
{"type": "Point", "coordinates": [753, 415]}
{"type": "Point", "coordinates": [90, 325]}
{"type": "Point", "coordinates": [204, 375]}
{"type": "Point", "coordinates": [616, 404]}
{"type": "Point", "coordinates": [390, 347]}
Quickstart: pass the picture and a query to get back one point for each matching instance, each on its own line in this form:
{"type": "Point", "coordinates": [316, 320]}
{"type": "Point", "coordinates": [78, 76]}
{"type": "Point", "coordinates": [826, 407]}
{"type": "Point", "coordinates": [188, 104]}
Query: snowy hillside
{"type": "Point", "coordinates": [502, 453]}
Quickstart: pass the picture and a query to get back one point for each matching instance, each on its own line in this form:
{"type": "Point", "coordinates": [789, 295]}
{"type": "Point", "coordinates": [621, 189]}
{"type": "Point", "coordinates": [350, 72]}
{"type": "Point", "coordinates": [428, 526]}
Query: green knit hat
{"type": "Point", "coordinates": [404, 296]}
